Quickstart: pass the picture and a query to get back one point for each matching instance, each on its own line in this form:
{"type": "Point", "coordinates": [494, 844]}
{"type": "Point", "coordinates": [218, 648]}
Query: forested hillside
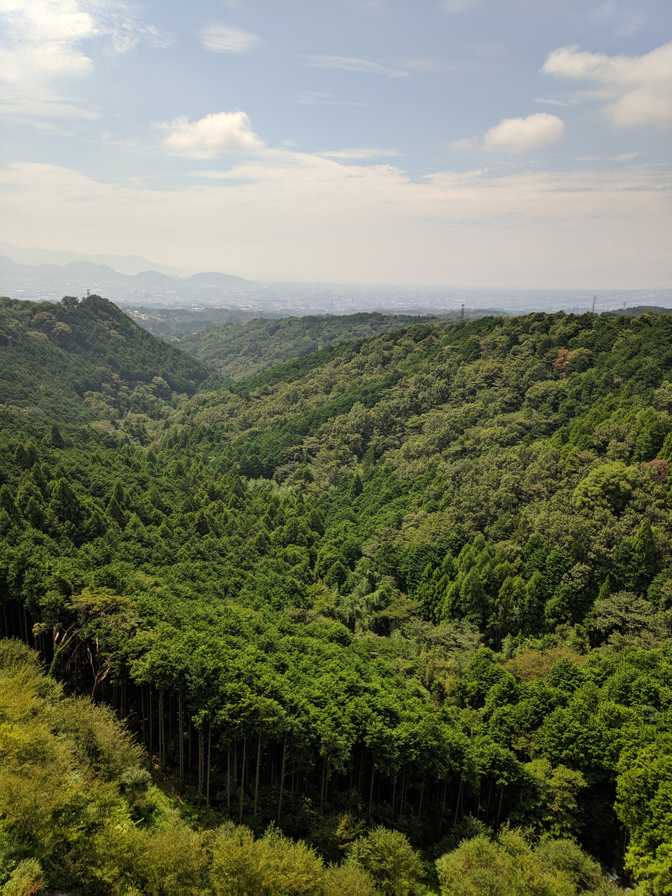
{"type": "Point", "coordinates": [79, 810]}
{"type": "Point", "coordinates": [421, 582]}
{"type": "Point", "coordinates": [85, 360]}
{"type": "Point", "coordinates": [241, 349]}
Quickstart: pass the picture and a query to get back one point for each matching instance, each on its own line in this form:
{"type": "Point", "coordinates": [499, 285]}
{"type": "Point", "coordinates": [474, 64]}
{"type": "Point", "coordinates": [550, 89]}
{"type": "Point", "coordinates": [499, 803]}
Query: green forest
{"type": "Point", "coordinates": [387, 615]}
{"type": "Point", "coordinates": [239, 349]}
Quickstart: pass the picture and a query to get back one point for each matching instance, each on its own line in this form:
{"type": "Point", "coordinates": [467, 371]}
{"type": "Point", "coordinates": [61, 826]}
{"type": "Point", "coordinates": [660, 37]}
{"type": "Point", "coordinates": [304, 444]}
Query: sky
{"type": "Point", "coordinates": [466, 143]}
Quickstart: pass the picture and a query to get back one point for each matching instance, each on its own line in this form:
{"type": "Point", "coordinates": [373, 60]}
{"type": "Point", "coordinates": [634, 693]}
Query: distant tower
{"type": "Point", "coordinates": [594, 303]}
{"type": "Point", "coordinates": [462, 312]}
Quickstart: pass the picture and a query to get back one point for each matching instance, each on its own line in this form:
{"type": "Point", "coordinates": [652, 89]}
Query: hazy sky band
{"type": "Point", "coordinates": [485, 143]}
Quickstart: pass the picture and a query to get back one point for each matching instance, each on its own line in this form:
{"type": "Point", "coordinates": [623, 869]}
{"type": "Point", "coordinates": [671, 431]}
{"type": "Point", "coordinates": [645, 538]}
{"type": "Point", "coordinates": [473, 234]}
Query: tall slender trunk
{"type": "Point", "coordinates": [422, 797]}
{"type": "Point", "coordinates": [458, 801]}
{"type": "Point", "coordinates": [257, 773]}
{"type": "Point", "coordinates": [228, 779]}
{"type": "Point", "coordinates": [180, 734]}
{"type": "Point", "coordinates": [143, 720]}
{"type": "Point", "coordinates": [150, 739]}
{"type": "Point", "coordinates": [207, 766]}
{"type": "Point", "coordinates": [394, 794]}
{"type": "Point", "coordinates": [371, 786]}
{"type": "Point", "coordinates": [162, 729]}
{"type": "Point", "coordinates": [242, 781]}
{"type": "Point", "coordinates": [282, 776]}
{"type": "Point", "coordinates": [499, 805]}
{"type": "Point", "coordinates": [323, 785]}
{"type": "Point", "coordinates": [201, 759]}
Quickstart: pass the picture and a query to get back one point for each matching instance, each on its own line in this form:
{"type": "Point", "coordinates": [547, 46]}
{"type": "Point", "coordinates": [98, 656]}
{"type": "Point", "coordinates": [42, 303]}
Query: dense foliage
{"type": "Point", "coordinates": [78, 809]}
{"type": "Point", "coordinates": [84, 360]}
{"type": "Point", "coordinates": [422, 582]}
{"type": "Point", "coordinates": [240, 349]}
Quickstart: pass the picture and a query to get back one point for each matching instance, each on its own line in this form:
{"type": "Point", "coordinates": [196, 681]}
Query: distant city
{"type": "Point", "coordinates": [140, 287]}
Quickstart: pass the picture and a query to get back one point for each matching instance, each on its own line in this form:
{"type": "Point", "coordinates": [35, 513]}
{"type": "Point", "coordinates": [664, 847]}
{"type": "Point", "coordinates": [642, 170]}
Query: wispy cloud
{"type": "Point", "coordinates": [423, 64]}
{"type": "Point", "coordinates": [361, 154]}
{"type": "Point", "coordinates": [551, 101]}
{"type": "Point", "coordinates": [225, 39]}
{"type": "Point", "coordinates": [622, 157]}
{"type": "Point", "coordinates": [44, 46]}
{"type": "Point", "coordinates": [355, 64]}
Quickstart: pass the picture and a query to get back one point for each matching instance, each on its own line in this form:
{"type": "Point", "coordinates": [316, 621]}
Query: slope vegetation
{"type": "Point", "coordinates": [423, 581]}
{"type": "Point", "coordinates": [242, 349]}
{"type": "Point", "coordinates": [85, 360]}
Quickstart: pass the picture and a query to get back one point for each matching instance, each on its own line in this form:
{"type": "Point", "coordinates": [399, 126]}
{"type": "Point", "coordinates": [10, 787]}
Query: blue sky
{"type": "Point", "coordinates": [510, 143]}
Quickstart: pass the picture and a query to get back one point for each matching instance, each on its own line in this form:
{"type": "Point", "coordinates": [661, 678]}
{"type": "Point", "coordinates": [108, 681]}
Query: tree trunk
{"type": "Point", "coordinates": [282, 777]}
{"type": "Point", "coordinates": [150, 739]}
{"type": "Point", "coordinates": [242, 781]}
{"type": "Point", "coordinates": [201, 760]}
{"type": "Point", "coordinates": [371, 786]}
{"type": "Point", "coordinates": [162, 730]}
{"type": "Point", "coordinates": [207, 766]}
{"type": "Point", "coordinates": [323, 786]}
{"type": "Point", "coordinates": [228, 779]}
{"type": "Point", "coordinates": [458, 801]}
{"type": "Point", "coordinates": [499, 805]}
{"type": "Point", "coordinates": [257, 773]}
{"type": "Point", "coordinates": [422, 797]}
{"type": "Point", "coordinates": [180, 734]}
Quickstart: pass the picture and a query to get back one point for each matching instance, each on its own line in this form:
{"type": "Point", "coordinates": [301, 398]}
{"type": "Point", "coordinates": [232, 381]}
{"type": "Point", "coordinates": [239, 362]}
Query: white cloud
{"type": "Point", "coordinates": [286, 215]}
{"type": "Point", "coordinates": [355, 64]}
{"type": "Point", "coordinates": [636, 90]}
{"type": "Point", "coordinates": [44, 44]}
{"type": "Point", "coordinates": [219, 133]}
{"type": "Point", "coordinates": [515, 135]}
{"type": "Point", "coordinates": [360, 153]}
{"type": "Point", "coordinates": [457, 6]}
{"type": "Point", "coordinates": [522, 135]}
{"type": "Point", "coordinates": [224, 39]}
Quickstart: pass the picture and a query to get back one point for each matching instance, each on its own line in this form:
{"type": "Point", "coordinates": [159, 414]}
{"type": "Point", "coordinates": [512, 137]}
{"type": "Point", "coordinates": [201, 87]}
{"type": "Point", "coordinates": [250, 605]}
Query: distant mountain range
{"type": "Point", "coordinates": [142, 289]}
{"type": "Point", "coordinates": [52, 281]}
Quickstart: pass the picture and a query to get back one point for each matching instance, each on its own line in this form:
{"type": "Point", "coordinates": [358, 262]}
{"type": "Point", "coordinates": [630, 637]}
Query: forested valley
{"type": "Point", "coordinates": [389, 617]}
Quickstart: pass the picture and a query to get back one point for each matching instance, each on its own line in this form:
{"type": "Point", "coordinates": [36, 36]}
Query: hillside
{"type": "Point", "coordinates": [241, 349]}
{"type": "Point", "coordinates": [420, 581]}
{"type": "Point", "coordinates": [173, 323]}
{"type": "Point", "coordinates": [85, 360]}
{"type": "Point", "coordinates": [84, 811]}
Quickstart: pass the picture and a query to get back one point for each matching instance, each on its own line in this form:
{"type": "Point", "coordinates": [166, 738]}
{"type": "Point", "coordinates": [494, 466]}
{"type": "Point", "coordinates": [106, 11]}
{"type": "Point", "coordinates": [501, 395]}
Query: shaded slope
{"type": "Point", "coordinates": [84, 360]}
{"type": "Point", "coordinates": [243, 349]}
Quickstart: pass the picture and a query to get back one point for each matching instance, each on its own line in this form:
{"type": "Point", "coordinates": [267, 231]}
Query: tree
{"type": "Point", "coordinates": [644, 805]}
{"type": "Point", "coordinates": [389, 859]}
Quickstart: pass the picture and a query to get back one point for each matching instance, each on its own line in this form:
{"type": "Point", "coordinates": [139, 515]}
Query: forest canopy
{"type": "Point", "coordinates": [399, 610]}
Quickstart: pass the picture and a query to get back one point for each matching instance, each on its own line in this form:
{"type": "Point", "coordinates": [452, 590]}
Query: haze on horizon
{"type": "Point", "coordinates": [471, 143]}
